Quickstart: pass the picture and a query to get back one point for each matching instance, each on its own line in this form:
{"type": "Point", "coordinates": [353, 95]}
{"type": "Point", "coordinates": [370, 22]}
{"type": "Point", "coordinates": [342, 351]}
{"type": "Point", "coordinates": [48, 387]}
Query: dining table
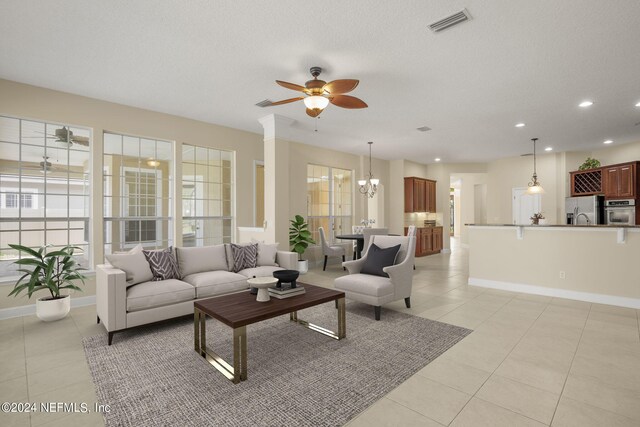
{"type": "Point", "coordinates": [359, 238]}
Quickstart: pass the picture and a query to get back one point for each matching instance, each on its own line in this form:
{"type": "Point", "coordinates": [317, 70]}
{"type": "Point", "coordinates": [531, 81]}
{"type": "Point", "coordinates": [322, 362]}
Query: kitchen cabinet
{"type": "Point", "coordinates": [419, 195]}
{"type": "Point", "coordinates": [620, 181]}
{"type": "Point", "coordinates": [428, 240]}
{"type": "Point", "coordinates": [586, 183]}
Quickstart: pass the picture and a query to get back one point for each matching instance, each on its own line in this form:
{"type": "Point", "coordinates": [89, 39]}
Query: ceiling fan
{"type": "Point", "coordinates": [46, 166]}
{"type": "Point", "coordinates": [320, 93]}
{"type": "Point", "coordinates": [64, 134]}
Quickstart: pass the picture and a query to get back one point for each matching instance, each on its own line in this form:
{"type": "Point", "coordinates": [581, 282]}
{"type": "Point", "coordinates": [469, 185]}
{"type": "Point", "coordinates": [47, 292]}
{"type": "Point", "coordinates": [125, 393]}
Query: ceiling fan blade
{"type": "Point", "coordinates": [291, 86]}
{"type": "Point", "coordinates": [338, 87]}
{"type": "Point", "coordinates": [346, 101]}
{"type": "Point", "coordinates": [80, 140]}
{"type": "Point", "coordinates": [314, 112]}
{"type": "Point", "coordinates": [286, 101]}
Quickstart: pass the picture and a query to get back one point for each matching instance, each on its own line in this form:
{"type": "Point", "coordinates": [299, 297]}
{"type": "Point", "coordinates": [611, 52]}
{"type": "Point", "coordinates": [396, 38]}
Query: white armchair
{"type": "Point", "coordinates": [368, 232]}
{"type": "Point", "coordinates": [378, 290]}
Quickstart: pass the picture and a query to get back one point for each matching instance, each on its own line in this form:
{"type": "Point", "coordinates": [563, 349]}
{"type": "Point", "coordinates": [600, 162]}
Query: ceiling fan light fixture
{"type": "Point", "coordinates": [316, 102]}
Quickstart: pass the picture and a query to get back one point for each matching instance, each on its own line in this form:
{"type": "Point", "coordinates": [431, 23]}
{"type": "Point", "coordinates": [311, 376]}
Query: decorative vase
{"type": "Point", "coordinates": [48, 309]}
{"type": "Point", "coordinates": [542, 221]}
{"type": "Point", "coordinates": [303, 266]}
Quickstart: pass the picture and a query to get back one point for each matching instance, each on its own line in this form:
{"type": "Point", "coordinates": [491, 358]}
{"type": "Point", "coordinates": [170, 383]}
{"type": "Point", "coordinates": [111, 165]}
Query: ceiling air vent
{"type": "Point", "coordinates": [264, 103]}
{"type": "Point", "coordinates": [450, 21]}
{"type": "Point", "coordinates": [423, 128]}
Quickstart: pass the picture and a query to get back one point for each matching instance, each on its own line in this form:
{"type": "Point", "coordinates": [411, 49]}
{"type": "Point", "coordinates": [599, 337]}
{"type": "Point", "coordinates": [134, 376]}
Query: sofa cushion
{"type": "Point", "coordinates": [365, 284]}
{"type": "Point", "coordinates": [211, 283]}
{"type": "Point", "coordinates": [267, 254]}
{"type": "Point", "coordinates": [199, 259]}
{"type": "Point", "coordinates": [379, 258]}
{"type": "Point", "coordinates": [158, 293]}
{"type": "Point", "coordinates": [264, 271]}
{"type": "Point", "coordinates": [163, 264]}
{"type": "Point", "coordinates": [134, 264]}
{"type": "Point", "coordinates": [244, 256]}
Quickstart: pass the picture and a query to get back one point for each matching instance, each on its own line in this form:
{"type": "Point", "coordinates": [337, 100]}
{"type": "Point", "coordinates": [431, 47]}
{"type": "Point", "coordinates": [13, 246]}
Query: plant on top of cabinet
{"type": "Point", "coordinates": [589, 164]}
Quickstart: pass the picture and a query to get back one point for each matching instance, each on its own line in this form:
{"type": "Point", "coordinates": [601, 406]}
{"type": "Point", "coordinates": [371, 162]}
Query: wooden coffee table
{"type": "Point", "coordinates": [241, 309]}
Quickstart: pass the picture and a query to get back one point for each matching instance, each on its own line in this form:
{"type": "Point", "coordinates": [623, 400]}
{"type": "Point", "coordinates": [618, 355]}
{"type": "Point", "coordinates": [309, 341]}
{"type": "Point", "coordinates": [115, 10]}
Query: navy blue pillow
{"type": "Point", "coordinates": [379, 258]}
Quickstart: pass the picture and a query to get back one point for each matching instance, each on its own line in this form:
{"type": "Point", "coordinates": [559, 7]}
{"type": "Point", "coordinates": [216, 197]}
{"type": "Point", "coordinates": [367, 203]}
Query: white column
{"type": "Point", "coordinates": [276, 178]}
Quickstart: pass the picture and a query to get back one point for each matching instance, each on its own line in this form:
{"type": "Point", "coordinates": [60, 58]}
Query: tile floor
{"type": "Point", "coordinates": [531, 360]}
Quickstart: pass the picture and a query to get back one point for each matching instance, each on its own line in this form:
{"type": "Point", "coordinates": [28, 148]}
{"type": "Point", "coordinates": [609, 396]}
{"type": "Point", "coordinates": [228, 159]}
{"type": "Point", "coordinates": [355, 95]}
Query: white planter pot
{"type": "Point", "coordinates": [303, 266]}
{"type": "Point", "coordinates": [49, 310]}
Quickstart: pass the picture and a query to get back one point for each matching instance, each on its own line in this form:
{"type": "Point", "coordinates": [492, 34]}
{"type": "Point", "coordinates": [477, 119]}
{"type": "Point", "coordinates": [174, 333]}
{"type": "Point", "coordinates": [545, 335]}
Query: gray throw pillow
{"type": "Point", "coordinates": [378, 258]}
{"type": "Point", "coordinates": [134, 264]}
{"type": "Point", "coordinates": [244, 256]}
{"type": "Point", "coordinates": [267, 254]}
{"type": "Point", "coordinates": [163, 264]}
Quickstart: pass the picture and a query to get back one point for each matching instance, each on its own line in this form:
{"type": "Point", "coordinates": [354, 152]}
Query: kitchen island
{"type": "Point", "coordinates": [595, 263]}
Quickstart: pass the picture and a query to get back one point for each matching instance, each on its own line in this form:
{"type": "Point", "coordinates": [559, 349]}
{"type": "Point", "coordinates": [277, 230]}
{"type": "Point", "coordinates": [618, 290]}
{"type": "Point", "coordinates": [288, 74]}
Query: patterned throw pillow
{"type": "Point", "coordinates": [244, 256]}
{"type": "Point", "coordinates": [163, 264]}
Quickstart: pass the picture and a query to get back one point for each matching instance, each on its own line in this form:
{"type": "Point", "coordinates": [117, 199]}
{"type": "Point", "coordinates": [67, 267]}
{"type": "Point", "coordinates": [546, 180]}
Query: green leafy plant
{"type": "Point", "coordinates": [589, 164]}
{"type": "Point", "coordinates": [299, 235]}
{"type": "Point", "coordinates": [53, 271]}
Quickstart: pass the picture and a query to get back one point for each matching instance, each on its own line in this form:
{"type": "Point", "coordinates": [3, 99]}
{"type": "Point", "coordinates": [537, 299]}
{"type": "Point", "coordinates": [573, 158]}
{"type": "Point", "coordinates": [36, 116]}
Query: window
{"type": "Point", "coordinates": [207, 196]}
{"type": "Point", "coordinates": [11, 200]}
{"type": "Point", "coordinates": [137, 192]}
{"type": "Point", "coordinates": [329, 201]}
{"type": "Point", "coordinates": [44, 188]}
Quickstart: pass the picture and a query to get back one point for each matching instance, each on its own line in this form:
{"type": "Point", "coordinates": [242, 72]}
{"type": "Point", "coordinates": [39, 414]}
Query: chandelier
{"type": "Point", "coordinates": [369, 186]}
{"type": "Point", "coordinates": [534, 186]}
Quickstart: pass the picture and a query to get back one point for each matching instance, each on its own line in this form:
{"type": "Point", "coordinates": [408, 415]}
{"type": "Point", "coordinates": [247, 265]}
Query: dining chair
{"type": "Point", "coordinates": [368, 232]}
{"type": "Point", "coordinates": [356, 229]}
{"type": "Point", "coordinates": [328, 250]}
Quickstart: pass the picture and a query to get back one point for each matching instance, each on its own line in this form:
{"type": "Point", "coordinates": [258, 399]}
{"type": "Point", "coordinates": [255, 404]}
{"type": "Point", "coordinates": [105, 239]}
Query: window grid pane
{"type": "Point", "coordinates": [329, 201]}
{"type": "Point", "coordinates": [207, 196]}
{"type": "Point", "coordinates": [138, 198]}
{"type": "Point", "coordinates": [44, 189]}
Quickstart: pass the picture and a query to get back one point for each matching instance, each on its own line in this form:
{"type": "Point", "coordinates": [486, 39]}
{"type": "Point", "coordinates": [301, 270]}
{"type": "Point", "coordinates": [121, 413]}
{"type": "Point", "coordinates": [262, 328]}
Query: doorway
{"type": "Point", "coordinates": [524, 205]}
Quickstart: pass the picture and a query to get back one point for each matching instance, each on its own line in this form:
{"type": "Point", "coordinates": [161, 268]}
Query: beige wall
{"type": "Point", "coordinates": [617, 153]}
{"type": "Point", "coordinates": [591, 259]}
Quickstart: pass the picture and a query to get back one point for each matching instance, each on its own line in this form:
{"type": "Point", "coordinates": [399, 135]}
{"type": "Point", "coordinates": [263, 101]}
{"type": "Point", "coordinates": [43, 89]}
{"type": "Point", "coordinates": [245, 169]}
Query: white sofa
{"type": "Point", "coordinates": [205, 272]}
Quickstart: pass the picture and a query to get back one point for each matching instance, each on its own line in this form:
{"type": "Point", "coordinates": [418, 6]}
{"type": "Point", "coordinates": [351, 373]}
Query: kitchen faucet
{"type": "Point", "coordinates": [578, 216]}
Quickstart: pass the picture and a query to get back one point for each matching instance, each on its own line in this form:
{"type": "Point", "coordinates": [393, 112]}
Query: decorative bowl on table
{"type": "Point", "coordinates": [286, 276]}
{"type": "Point", "coordinates": [263, 284]}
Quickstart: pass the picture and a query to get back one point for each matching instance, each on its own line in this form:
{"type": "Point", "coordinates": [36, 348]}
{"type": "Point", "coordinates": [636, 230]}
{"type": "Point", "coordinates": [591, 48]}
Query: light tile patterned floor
{"type": "Point", "coordinates": [531, 360]}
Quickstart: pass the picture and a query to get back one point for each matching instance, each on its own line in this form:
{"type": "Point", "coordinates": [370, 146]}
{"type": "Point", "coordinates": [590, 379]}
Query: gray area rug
{"type": "Point", "coordinates": [151, 376]}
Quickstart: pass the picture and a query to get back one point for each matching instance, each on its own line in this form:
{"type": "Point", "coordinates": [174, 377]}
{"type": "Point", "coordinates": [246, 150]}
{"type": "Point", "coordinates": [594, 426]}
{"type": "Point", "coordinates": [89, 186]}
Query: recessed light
{"type": "Point", "coordinates": [638, 104]}
{"type": "Point", "coordinates": [584, 104]}
{"type": "Point", "coordinates": [437, 159]}
{"type": "Point", "coordinates": [608, 141]}
{"type": "Point", "coordinates": [548, 149]}
{"type": "Point", "coordinates": [520, 125]}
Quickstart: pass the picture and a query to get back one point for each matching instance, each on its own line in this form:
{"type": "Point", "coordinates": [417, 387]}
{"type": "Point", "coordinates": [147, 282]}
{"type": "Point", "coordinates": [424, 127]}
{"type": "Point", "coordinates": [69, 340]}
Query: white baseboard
{"type": "Point", "coordinates": [26, 310]}
{"type": "Point", "coordinates": [556, 292]}
{"type": "Point", "coordinates": [446, 251]}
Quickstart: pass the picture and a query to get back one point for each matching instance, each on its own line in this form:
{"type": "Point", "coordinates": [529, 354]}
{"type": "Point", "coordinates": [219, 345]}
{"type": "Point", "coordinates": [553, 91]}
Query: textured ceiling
{"type": "Point", "coordinates": [529, 61]}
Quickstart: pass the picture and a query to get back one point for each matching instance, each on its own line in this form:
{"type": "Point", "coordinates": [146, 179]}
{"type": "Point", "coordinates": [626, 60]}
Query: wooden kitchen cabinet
{"type": "Point", "coordinates": [419, 195]}
{"type": "Point", "coordinates": [620, 181]}
{"type": "Point", "coordinates": [428, 240]}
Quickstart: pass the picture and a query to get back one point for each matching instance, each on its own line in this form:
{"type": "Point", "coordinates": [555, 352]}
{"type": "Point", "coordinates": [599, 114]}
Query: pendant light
{"type": "Point", "coordinates": [534, 186]}
{"type": "Point", "coordinates": [369, 186]}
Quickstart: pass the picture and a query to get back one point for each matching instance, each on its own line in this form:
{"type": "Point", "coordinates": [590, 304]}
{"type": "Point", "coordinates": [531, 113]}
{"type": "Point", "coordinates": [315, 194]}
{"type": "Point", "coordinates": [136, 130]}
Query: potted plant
{"type": "Point", "coordinates": [53, 271]}
{"type": "Point", "coordinates": [538, 219]}
{"type": "Point", "coordinates": [299, 240]}
{"type": "Point", "coordinates": [589, 164]}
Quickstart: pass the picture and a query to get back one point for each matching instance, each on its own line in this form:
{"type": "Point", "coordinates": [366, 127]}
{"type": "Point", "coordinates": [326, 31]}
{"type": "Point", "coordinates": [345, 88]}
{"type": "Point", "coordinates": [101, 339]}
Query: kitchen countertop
{"type": "Point", "coordinates": [554, 225]}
